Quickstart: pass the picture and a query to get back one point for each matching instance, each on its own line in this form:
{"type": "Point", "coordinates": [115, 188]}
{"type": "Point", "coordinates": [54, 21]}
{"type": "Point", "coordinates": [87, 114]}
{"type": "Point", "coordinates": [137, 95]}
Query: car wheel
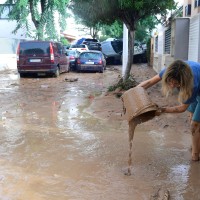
{"type": "Point", "coordinates": [22, 75]}
{"type": "Point", "coordinates": [57, 72]}
{"type": "Point", "coordinates": [78, 69]}
{"type": "Point", "coordinates": [70, 67]}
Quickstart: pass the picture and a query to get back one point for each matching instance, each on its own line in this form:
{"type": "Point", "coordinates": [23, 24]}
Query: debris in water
{"type": "Point", "coordinates": [161, 194]}
{"type": "Point", "coordinates": [71, 79]}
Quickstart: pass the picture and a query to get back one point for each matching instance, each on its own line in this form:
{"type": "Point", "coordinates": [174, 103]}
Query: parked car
{"type": "Point", "coordinates": [79, 47]}
{"type": "Point", "coordinates": [91, 61]}
{"type": "Point", "coordinates": [41, 58]}
{"type": "Point", "coordinates": [112, 49]}
{"type": "Point", "coordinates": [66, 47]}
{"type": "Point", "coordinates": [73, 55]}
{"type": "Point", "coordinates": [93, 44]}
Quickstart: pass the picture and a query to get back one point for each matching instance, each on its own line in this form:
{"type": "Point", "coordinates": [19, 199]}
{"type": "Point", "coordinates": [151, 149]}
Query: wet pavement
{"type": "Point", "coordinates": [52, 148]}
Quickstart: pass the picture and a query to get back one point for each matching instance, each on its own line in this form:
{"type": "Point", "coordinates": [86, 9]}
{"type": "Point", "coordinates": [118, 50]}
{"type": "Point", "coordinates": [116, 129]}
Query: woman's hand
{"type": "Point", "coordinates": [174, 109]}
{"type": "Point", "coordinates": [160, 111]}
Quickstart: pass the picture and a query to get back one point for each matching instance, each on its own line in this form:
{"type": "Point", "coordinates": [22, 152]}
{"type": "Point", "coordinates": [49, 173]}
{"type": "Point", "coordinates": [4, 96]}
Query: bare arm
{"type": "Point", "coordinates": [150, 82]}
{"type": "Point", "coordinates": [175, 109]}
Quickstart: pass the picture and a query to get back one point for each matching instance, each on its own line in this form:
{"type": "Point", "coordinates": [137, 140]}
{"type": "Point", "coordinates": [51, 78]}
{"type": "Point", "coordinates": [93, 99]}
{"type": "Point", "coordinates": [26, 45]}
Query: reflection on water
{"type": "Point", "coordinates": [180, 174]}
{"type": "Point", "coordinates": [13, 76]}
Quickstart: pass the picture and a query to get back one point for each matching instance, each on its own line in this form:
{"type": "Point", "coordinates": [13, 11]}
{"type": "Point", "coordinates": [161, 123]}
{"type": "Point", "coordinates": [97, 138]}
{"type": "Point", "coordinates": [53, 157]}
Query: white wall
{"type": "Point", "coordinates": [8, 53]}
{"type": "Point", "coordinates": [8, 27]}
{"type": "Point", "coordinates": [9, 43]}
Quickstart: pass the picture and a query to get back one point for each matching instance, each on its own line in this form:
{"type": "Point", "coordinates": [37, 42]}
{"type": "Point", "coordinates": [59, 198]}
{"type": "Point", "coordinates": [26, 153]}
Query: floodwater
{"type": "Point", "coordinates": [51, 148]}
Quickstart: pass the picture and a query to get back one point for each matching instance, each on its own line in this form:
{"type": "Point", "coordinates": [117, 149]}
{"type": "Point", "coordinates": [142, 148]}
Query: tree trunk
{"type": "Point", "coordinates": [38, 25]}
{"type": "Point", "coordinates": [39, 31]}
{"type": "Point", "coordinates": [40, 35]}
{"type": "Point", "coordinates": [131, 36]}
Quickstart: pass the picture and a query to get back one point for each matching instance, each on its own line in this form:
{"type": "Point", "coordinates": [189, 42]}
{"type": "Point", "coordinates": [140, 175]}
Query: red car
{"type": "Point", "coordinates": [41, 58]}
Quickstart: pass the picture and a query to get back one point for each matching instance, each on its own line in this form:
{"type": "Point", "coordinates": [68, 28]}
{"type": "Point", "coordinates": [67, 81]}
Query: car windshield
{"type": "Point", "coordinates": [90, 55]}
{"type": "Point", "coordinates": [30, 48]}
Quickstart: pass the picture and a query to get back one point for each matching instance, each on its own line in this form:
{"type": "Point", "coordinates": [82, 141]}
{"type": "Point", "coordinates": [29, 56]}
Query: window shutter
{"type": "Point", "coordinates": [167, 41]}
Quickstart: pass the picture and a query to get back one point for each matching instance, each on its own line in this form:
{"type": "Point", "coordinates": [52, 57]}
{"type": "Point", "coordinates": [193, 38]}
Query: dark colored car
{"type": "Point", "coordinates": [91, 61]}
{"type": "Point", "coordinates": [41, 58]}
{"type": "Point", "coordinates": [93, 44]}
{"type": "Point", "coordinates": [73, 55]}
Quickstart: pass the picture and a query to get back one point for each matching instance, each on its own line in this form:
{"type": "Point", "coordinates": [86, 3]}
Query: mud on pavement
{"type": "Point", "coordinates": [64, 140]}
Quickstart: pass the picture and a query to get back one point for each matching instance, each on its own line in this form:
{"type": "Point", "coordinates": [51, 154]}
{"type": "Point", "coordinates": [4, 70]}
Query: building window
{"type": "Point", "coordinates": [196, 3]}
{"type": "Point", "coordinates": [167, 41]}
{"type": "Point", "coordinates": [188, 10]}
{"type": "Point", "coordinates": [156, 44]}
{"type": "Point", "coordinates": [6, 10]}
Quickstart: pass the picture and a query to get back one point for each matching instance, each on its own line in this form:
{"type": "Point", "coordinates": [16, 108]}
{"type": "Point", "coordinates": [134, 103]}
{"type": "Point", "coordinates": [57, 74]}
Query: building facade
{"type": "Point", "coordinates": [179, 38]}
{"type": "Point", "coordinates": [9, 41]}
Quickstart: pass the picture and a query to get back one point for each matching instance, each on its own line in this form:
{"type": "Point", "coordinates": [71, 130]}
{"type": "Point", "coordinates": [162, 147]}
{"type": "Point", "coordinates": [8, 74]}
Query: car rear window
{"type": "Point", "coordinates": [90, 55]}
{"type": "Point", "coordinates": [71, 53]}
{"type": "Point", "coordinates": [78, 46]}
{"type": "Point", "coordinates": [30, 48]}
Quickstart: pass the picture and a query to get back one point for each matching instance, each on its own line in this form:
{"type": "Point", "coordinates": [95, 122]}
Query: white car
{"type": "Point", "coordinates": [79, 47]}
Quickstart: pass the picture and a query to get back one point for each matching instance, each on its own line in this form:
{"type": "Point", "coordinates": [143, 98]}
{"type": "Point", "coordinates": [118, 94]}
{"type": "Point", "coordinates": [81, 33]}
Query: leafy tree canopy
{"type": "Point", "coordinates": [128, 11]}
{"type": "Point", "coordinates": [114, 30]}
{"type": "Point", "coordinates": [43, 13]}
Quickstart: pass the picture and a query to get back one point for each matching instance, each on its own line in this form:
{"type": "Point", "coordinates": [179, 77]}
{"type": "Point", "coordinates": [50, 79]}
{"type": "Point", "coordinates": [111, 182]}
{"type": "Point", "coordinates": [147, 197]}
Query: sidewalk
{"type": "Point", "coordinates": [8, 61]}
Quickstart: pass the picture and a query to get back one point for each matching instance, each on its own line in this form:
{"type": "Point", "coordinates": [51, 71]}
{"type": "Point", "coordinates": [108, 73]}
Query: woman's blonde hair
{"type": "Point", "coordinates": [181, 72]}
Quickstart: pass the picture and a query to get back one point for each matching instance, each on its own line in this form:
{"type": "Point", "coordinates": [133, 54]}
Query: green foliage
{"type": "Point", "coordinates": [145, 27]}
{"type": "Point", "coordinates": [127, 11]}
{"type": "Point", "coordinates": [42, 15]}
{"type": "Point", "coordinates": [142, 33]}
{"type": "Point", "coordinates": [114, 30]}
{"type": "Point", "coordinates": [64, 41]}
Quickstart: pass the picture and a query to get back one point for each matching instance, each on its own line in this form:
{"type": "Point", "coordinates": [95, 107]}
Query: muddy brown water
{"type": "Point", "coordinates": [53, 148]}
{"type": "Point", "coordinates": [131, 131]}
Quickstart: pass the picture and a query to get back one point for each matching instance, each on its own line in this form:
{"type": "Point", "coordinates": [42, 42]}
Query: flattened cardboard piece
{"type": "Point", "coordinates": [136, 101]}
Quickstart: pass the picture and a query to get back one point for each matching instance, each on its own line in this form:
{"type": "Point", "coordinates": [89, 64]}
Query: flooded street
{"type": "Point", "coordinates": [53, 148]}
